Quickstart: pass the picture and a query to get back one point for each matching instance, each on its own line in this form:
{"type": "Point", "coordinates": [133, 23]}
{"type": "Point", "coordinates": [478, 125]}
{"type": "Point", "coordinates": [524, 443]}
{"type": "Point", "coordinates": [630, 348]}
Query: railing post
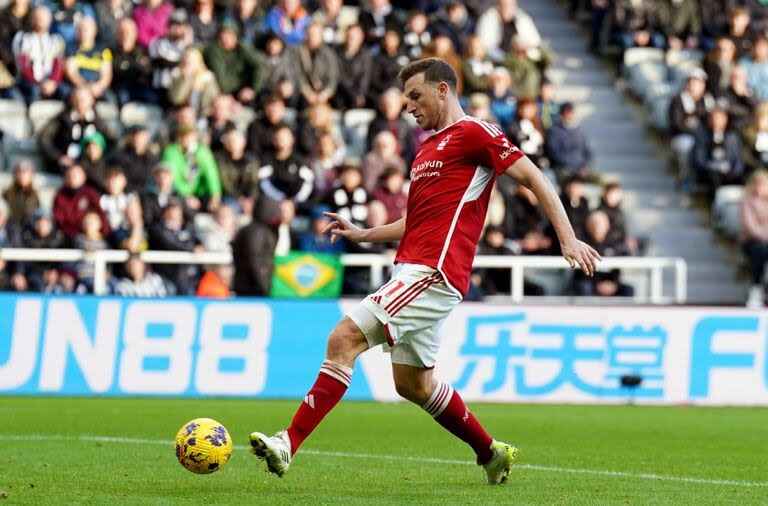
{"type": "Point", "coordinates": [518, 283]}
{"type": "Point", "coordinates": [656, 284]}
{"type": "Point", "coordinates": [681, 280]}
{"type": "Point", "coordinates": [100, 272]}
{"type": "Point", "coordinates": [377, 274]}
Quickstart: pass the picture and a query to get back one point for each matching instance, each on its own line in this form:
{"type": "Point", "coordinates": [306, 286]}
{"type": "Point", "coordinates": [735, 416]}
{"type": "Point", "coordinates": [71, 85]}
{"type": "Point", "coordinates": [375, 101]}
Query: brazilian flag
{"type": "Point", "coordinates": [307, 275]}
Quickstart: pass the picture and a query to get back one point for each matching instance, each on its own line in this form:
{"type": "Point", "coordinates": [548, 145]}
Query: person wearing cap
{"type": "Point", "coordinates": [152, 19]}
{"type": "Point", "coordinates": [131, 67]}
{"type": "Point", "coordinates": [136, 157]}
{"type": "Point", "coordinates": [238, 68]}
{"type": "Point", "coordinates": [166, 52]}
{"type": "Point", "coordinates": [194, 168]}
{"type": "Point", "coordinates": [92, 148]}
{"type": "Point", "coordinates": [567, 146]}
{"type": "Point", "coordinates": [687, 111]}
{"type": "Point", "coordinates": [21, 196]}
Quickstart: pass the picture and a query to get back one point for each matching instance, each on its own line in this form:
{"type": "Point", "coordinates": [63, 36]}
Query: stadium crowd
{"type": "Point", "coordinates": [198, 178]}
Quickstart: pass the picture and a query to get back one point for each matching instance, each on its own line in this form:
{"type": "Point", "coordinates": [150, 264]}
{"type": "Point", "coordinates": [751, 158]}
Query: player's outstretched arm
{"type": "Point", "coordinates": [576, 252]}
{"type": "Point", "coordinates": [342, 227]}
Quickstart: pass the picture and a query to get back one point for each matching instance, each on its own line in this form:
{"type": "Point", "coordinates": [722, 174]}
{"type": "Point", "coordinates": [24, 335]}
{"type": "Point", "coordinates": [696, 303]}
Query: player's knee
{"type": "Point", "coordinates": [345, 343]}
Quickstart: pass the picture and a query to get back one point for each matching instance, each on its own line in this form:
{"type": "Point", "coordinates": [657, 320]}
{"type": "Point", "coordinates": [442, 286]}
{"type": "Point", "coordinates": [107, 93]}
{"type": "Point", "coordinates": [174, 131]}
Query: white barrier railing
{"type": "Point", "coordinates": [655, 266]}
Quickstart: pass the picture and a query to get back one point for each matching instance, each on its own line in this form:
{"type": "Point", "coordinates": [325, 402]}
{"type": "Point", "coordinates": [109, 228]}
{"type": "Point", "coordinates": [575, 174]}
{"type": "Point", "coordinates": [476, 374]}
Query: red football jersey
{"type": "Point", "coordinates": [451, 181]}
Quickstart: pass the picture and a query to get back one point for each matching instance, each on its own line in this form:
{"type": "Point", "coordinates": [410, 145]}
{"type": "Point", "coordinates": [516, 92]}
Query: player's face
{"type": "Point", "coordinates": [422, 100]}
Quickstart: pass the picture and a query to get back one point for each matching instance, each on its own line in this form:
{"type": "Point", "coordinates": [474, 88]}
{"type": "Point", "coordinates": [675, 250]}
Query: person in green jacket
{"type": "Point", "coordinates": [238, 67]}
{"type": "Point", "coordinates": [195, 173]}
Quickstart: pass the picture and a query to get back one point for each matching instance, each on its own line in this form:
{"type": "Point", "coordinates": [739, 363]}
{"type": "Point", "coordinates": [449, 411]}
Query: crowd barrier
{"type": "Point", "coordinates": [109, 346]}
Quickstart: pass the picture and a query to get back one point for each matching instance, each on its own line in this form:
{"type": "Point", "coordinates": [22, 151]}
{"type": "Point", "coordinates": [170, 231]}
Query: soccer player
{"type": "Point", "coordinates": [451, 180]}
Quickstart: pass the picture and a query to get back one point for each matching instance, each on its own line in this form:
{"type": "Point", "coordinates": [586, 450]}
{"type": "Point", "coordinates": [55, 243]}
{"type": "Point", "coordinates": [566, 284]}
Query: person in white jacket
{"type": "Point", "coordinates": [498, 25]}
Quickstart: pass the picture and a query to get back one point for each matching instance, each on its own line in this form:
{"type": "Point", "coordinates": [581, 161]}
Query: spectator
{"type": "Point", "coordinates": [154, 19]}
{"type": "Point", "coordinates": [90, 239]}
{"type": "Point", "coordinates": [192, 83]}
{"type": "Point", "coordinates": [109, 15]}
{"type": "Point", "coordinates": [389, 117]}
{"type": "Point", "coordinates": [718, 66]}
{"type": "Point", "coordinates": [283, 175]}
{"type": "Point", "coordinates": [739, 31]}
{"type": "Point", "coordinates": [757, 68]}
{"type": "Point", "coordinates": [754, 141]}
{"type": "Point", "coordinates": [194, 169]}
{"type": "Point", "coordinates": [416, 37]}
{"type": "Point", "coordinates": [217, 235]}
{"type": "Point", "coordinates": [21, 196]}
{"type": "Point", "coordinates": [239, 171]}
{"type": "Point", "coordinates": [140, 281]}
{"type": "Point", "coordinates": [617, 239]}
{"type": "Point", "coordinates": [60, 138]}
{"type": "Point", "coordinates": [289, 20]}
{"type": "Point", "coordinates": [739, 99]}
{"type": "Point", "coordinates": [167, 51]}
{"type": "Point", "coordinates": [687, 111]}
{"type": "Point", "coordinates": [602, 283]}
{"type": "Point", "coordinates": [40, 234]}
{"type": "Point", "coordinates": [249, 16]}
{"type": "Point", "coordinates": [377, 217]}
{"type": "Point", "coordinates": [503, 102]}
{"type": "Point", "coordinates": [376, 18]}
{"type": "Point", "coordinates": [236, 65]}
{"type": "Point", "coordinates": [131, 67]}
{"type": "Point", "coordinates": [480, 108]}
{"type": "Point", "coordinates": [136, 158]}
{"type": "Point", "coordinates": [383, 155]}
{"type": "Point", "coordinates": [215, 282]}
{"type": "Point", "coordinates": [11, 275]}
{"type": "Point", "coordinates": [714, 18]}
{"type": "Point", "coordinates": [73, 200]}
{"type": "Point", "coordinates": [315, 239]}
{"type": "Point", "coordinates": [171, 234]}
{"type": "Point", "coordinates": [123, 212]}
{"type": "Point", "coordinates": [331, 14]}
{"type": "Point", "coordinates": [349, 199]}
{"type": "Point", "coordinates": [754, 233]}
{"type": "Point", "coordinates": [391, 194]}
{"type": "Point", "coordinates": [453, 20]}
{"type": "Point", "coordinates": [219, 122]}
{"type": "Point", "coordinates": [39, 57]}
{"type": "Point", "coordinates": [281, 78]}
{"type": "Point", "coordinates": [757, 14]}
{"type": "Point", "coordinates": [253, 249]}
{"type": "Point", "coordinates": [357, 63]}
{"type": "Point", "coordinates": [317, 67]}
{"type": "Point", "coordinates": [576, 206]}
{"type": "Point", "coordinates": [262, 130]}
{"type": "Point", "coordinates": [524, 72]}
{"type": "Point", "coordinates": [476, 68]}
{"type": "Point", "coordinates": [160, 192]}
{"type": "Point", "coordinates": [325, 162]}
{"type": "Point", "coordinates": [680, 22]}
{"type": "Point", "coordinates": [566, 145]}
{"type": "Point", "coordinates": [386, 65]}
{"type": "Point", "coordinates": [500, 24]}
{"type": "Point", "coordinates": [203, 22]}
{"type": "Point", "coordinates": [525, 132]}
{"type": "Point", "coordinates": [497, 281]}
{"type": "Point", "coordinates": [635, 24]}
{"type": "Point", "coordinates": [442, 47]}
{"type": "Point", "coordinates": [525, 223]}
{"type": "Point", "coordinates": [549, 109]}
{"type": "Point", "coordinates": [319, 121]}
{"type": "Point", "coordinates": [66, 15]}
{"type": "Point", "coordinates": [13, 19]}
{"type": "Point", "coordinates": [717, 152]}
{"type": "Point", "coordinates": [92, 149]}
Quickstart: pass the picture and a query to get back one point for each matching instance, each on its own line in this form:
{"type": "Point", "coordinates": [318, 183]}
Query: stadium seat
{"type": "Point", "coordinates": [110, 113]}
{"type": "Point", "coordinates": [355, 129]}
{"type": "Point", "coordinates": [637, 55]}
{"type": "Point", "coordinates": [42, 111]}
{"type": "Point", "coordinates": [726, 209]}
{"type": "Point", "coordinates": [14, 122]}
{"type": "Point", "coordinates": [14, 149]}
{"type": "Point", "coordinates": [135, 113]}
{"type": "Point", "coordinates": [644, 76]}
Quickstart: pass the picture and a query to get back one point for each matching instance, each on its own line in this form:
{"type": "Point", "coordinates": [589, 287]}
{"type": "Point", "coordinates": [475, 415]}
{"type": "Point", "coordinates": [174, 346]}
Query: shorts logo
{"type": "Point", "coordinates": [443, 142]}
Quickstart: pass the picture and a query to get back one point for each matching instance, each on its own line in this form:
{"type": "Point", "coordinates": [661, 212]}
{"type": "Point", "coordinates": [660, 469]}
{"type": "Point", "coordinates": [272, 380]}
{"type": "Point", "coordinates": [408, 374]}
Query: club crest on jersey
{"type": "Point", "coordinates": [443, 142]}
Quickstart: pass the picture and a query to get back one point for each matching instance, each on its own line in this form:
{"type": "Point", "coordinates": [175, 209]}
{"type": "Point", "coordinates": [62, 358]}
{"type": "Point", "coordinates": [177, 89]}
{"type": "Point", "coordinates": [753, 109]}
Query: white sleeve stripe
{"type": "Point", "coordinates": [492, 130]}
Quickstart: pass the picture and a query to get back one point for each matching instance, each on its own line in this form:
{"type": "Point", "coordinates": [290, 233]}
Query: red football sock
{"type": "Point", "coordinates": [449, 410]}
{"type": "Point", "coordinates": [327, 391]}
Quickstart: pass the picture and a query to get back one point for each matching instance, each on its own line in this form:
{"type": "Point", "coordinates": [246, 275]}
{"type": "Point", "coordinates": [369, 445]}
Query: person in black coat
{"type": "Point", "coordinates": [602, 283]}
{"type": "Point", "coordinates": [386, 66]}
{"type": "Point", "coordinates": [389, 117]}
{"type": "Point", "coordinates": [717, 152]}
{"type": "Point", "coordinates": [378, 17]}
{"type": "Point", "coordinates": [739, 99]}
{"type": "Point", "coordinates": [136, 158]}
{"type": "Point", "coordinates": [262, 129]}
{"type": "Point", "coordinates": [357, 64]}
{"type": "Point", "coordinates": [157, 194]}
{"type": "Point", "coordinates": [172, 234]}
{"type": "Point", "coordinates": [41, 234]}
{"type": "Point", "coordinates": [253, 250]}
{"type": "Point", "coordinates": [576, 206]}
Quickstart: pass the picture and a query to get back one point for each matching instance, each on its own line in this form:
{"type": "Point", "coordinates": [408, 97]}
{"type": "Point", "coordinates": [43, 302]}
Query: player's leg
{"type": "Point", "coordinates": [345, 342]}
{"type": "Point", "coordinates": [445, 405]}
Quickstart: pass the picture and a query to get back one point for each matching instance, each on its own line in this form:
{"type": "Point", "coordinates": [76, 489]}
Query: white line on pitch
{"type": "Point", "coordinates": [530, 467]}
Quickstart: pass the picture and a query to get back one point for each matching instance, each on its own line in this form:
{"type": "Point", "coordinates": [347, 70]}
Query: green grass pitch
{"type": "Point", "coordinates": [58, 451]}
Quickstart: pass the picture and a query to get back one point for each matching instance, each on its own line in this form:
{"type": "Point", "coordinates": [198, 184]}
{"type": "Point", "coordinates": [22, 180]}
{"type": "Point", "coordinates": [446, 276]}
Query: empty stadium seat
{"type": "Point", "coordinates": [243, 118]}
{"type": "Point", "coordinates": [726, 206]}
{"type": "Point", "coordinates": [110, 113]}
{"type": "Point", "coordinates": [13, 119]}
{"type": "Point", "coordinates": [355, 130]}
{"type": "Point", "coordinates": [14, 149]}
{"type": "Point", "coordinates": [135, 113]}
{"type": "Point", "coordinates": [42, 111]}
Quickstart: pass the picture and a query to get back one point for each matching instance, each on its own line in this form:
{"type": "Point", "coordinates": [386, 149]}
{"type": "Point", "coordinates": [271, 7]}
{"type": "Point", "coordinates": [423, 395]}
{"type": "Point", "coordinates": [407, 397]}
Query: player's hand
{"type": "Point", "coordinates": [342, 227]}
{"type": "Point", "coordinates": [581, 255]}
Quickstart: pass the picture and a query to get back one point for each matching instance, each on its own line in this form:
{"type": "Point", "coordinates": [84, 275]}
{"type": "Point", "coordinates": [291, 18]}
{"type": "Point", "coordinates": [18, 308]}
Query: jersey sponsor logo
{"type": "Point", "coordinates": [443, 142]}
{"type": "Point", "coordinates": [422, 170]}
{"type": "Point", "coordinates": [505, 154]}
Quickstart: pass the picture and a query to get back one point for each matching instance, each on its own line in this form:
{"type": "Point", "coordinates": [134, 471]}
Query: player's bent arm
{"type": "Point", "coordinates": [576, 252]}
{"type": "Point", "coordinates": [390, 232]}
{"type": "Point", "coordinates": [342, 227]}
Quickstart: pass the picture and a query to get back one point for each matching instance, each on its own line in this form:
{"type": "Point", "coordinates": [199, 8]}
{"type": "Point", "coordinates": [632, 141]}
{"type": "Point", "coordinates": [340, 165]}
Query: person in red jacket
{"type": "Point", "coordinates": [73, 201]}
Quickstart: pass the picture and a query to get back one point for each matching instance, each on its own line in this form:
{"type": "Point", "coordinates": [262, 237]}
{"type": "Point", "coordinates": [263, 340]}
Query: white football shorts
{"type": "Point", "coordinates": [406, 314]}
